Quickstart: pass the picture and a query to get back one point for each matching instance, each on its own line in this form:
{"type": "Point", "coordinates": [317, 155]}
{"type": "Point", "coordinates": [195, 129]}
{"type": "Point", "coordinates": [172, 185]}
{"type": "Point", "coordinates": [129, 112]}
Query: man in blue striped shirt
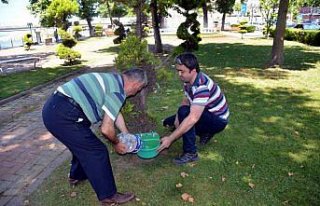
{"type": "Point", "coordinates": [85, 100]}
{"type": "Point", "coordinates": [204, 110]}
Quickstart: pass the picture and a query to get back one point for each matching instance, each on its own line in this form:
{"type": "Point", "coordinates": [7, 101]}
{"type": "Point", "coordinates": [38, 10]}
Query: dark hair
{"type": "Point", "coordinates": [189, 60]}
{"type": "Point", "coordinates": [137, 74]}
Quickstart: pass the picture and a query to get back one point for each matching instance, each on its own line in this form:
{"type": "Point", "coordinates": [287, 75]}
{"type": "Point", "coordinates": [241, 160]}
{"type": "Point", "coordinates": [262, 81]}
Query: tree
{"type": "Point", "coordinates": [268, 11]}
{"type": "Point", "coordinates": [87, 10]}
{"type": "Point", "coordinates": [4, 1]}
{"type": "Point", "coordinates": [224, 7]}
{"type": "Point", "coordinates": [191, 24]}
{"type": "Point", "coordinates": [206, 6]}
{"type": "Point", "coordinates": [156, 26]}
{"type": "Point", "coordinates": [277, 57]}
{"type": "Point", "coordinates": [59, 11]}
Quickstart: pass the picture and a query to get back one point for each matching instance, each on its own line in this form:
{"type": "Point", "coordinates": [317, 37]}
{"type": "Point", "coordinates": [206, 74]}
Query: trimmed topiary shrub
{"type": "Point", "coordinates": [69, 55]}
{"type": "Point", "coordinates": [76, 31]}
{"type": "Point", "coordinates": [98, 30]}
{"type": "Point", "coordinates": [27, 41]}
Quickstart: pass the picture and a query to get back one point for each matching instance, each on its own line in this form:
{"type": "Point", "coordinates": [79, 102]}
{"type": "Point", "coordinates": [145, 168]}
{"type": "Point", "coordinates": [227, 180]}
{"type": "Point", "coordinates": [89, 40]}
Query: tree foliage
{"type": "Point", "coordinates": [268, 10]}
{"type": "Point", "coordinates": [59, 11]}
{"type": "Point", "coordinates": [224, 7]}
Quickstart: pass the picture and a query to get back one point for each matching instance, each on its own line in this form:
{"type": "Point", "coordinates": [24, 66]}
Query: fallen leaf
{"type": "Point", "coordinates": [253, 166]}
{"type": "Point", "coordinates": [210, 177]}
{"type": "Point", "coordinates": [237, 162]}
{"type": "Point", "coordinates": [73, 194]}
{"type": "Point", "coordinates": [26, 202]}
{"type": "Point", "coordinates": [251, 185]}
{"type": "Point", "coordinates": [191, 199]}
{"type": "Point", "coordinates": [192, 164]}
{"type": "Point", "coordinates": [223, 179]}
{"type": "Point", "coordinates": [143, 203]}
{"type": "Point", "coordinates": [137, 199]}
{"type": "Point", "coordinates": [290, 174]}
{"type": "Point", "coordinates": [184, 174]}
{"type": "Point", "coordinates": [215, 141]}
{"type": "Point", "coordinates": [178, 185]}
{"type": "Point", "coordinates": [185, 196]}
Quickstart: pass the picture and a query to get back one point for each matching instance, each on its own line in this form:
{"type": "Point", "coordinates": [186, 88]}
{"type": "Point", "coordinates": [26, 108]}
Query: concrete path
{"type": "Point", "coordinates": [28, 152]}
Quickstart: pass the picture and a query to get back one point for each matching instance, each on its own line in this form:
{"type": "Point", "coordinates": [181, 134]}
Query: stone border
{"type": "Point", "coordinates": [36, 88]}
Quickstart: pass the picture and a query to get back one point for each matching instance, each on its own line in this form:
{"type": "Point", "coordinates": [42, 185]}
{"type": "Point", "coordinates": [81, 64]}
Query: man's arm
{"type": "Point", "coordinates": [120, 123]}
{"type": "Point", "coordinates": [109, 132]}
{"type": "Point", "coordinates": [193, 117]}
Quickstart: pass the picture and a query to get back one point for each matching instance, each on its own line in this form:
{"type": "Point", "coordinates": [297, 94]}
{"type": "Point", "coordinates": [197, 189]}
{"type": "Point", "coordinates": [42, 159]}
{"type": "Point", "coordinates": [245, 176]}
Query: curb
{"type": "Point", "coordinates": [36, 88]}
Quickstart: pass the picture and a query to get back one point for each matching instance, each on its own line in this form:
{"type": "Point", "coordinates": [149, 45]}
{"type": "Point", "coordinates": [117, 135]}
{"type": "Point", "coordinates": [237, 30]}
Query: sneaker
{"type": "Point", "coordinates": [185, 158]}
{"type": "Point", "coordinates": [205, 139]}
{"type": "Point", "coordinates": [118, 198]}
{"type": "Point", "coordinates": [74, 182]}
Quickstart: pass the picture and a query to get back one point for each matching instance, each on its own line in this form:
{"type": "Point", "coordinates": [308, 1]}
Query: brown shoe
{"type": "Point", "coordinates": [118, 198]}
{"type": "Point", "coordinates": [74, 182]}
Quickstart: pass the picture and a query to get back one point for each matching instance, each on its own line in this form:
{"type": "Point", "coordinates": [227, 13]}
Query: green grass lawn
{"type": "Point", "coordinates": [268, 155]}
{"type": "Point", "coordinates": [15, 83]}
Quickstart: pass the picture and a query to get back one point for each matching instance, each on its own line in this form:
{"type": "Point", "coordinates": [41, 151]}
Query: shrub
{"type": "Point", "coordinates": [310, 37]}
{"type": "Point", "coordinates": [98, 29]}
{"type": "Point", "coordinates": [133, 52]}
{"type": "Point", "coordinates": [76, 31]}
{"type": "Point", "coordinates": [177, 50]}
{"type": "Point", "coordinates": [243, 22]}
{"type": "Point", "coordinates": [27, 41]}
{"type": "Point", "coordinates": [67, 39]}
{"type": "Point", "coordinates": [163, 75]}
{"type": "Point", "coordinates": [68, 54]}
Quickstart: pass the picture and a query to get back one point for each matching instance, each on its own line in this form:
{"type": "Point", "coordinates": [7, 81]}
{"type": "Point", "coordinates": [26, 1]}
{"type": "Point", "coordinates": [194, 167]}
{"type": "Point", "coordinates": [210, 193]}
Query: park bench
{"type": "Point", "coordinates": [16, 60]}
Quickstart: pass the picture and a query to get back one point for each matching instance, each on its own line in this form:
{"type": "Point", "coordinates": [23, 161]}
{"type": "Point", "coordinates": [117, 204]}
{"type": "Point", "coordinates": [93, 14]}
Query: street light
{"type": "Point", "coordinates": [30, 26]}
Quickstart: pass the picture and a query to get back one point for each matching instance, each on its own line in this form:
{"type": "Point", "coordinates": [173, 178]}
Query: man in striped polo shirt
{"type": "Point", "coordinates": [85, 100]}
{"type": "Point", "coordinates": [203, 111]}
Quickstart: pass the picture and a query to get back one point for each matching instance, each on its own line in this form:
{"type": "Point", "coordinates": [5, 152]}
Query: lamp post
{"type": "Point", "coordinates": [30, 26]}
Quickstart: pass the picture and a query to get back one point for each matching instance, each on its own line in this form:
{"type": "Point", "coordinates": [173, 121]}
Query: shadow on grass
{"type": "Point", "coordinates": [271, 134]}
{"type": "Point", "coordinates": [112, 49]}
{"type": "Point", "coordinates": [237, 55]}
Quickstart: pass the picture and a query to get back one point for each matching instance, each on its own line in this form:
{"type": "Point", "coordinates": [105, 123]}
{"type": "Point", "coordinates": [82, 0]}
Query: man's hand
{"type": "Point", "coordinates": [165, 143]}
{"type": "Point", "coordinates": [120, 148]}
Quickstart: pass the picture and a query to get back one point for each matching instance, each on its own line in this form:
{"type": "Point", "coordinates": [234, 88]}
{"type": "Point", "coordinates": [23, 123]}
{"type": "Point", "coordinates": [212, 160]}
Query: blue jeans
{"type": "Point", "coordinates": [208, 125]}
{"type": "Point", "coordinates": [68, 123]}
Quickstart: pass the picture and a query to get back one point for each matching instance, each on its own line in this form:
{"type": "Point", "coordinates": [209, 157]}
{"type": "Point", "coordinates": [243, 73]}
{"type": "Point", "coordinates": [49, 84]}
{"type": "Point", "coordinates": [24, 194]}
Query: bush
{"type": "Point", "coordinates": [27, 41]}
{"type": "Point", "coordinates": [76, 31]}
{"type": "Point", "coordinates": [163, 75]}
{"type": "Point", "coordinates": [98, 30]}
{"type": "Point", "coordinates": [133, 52]}
{"type": "Point", "coordinates": [177, 50]}
{"type": "Point", "coordinates": [68, 54]}
{"type": "Point", "coordinates": [243, 22]}
{"type": "Point", "coordinates": [67, 39]}
{"type": "Point", "coordinates": [310, 37]}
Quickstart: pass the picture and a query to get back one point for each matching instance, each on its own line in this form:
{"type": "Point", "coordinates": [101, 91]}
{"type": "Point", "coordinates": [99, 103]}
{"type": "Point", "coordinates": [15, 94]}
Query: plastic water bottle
{"type": "Point", "coordinates": [133, 142]}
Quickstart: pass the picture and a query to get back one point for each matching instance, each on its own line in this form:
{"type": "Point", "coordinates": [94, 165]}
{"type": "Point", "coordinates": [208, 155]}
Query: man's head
{"type": "Point", "coordinates": [187, 66]}
{"type": "Point", "coordinates": [134, 81]}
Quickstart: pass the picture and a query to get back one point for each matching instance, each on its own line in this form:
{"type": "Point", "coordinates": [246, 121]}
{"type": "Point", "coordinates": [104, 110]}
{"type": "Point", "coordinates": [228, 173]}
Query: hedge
{"type": "Point", "coordinates": [310, 37]}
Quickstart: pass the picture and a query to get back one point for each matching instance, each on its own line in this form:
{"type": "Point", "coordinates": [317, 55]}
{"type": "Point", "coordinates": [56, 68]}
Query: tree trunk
{"type": "Point", "coordinates": [205, 15]}
{"type": "Point", "coordinates": [278, 41]}
{"type": "Point", "coordinates": [90, 27]}
{"type": "Point", "coordinates": [155, 25]}
{"type": "Point", "coordinates": [138, 11]}
{"type": "Point", "coordinates": [109, 11]}
{"type": "Point", "coordinates": [223, 21]}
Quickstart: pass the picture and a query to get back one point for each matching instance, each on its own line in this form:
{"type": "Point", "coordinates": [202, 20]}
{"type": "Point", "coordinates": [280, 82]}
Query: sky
{"type": "Point", "coordinates": [16, 14]}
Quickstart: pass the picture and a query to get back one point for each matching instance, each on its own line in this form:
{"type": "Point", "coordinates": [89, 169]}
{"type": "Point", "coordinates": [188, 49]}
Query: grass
{"type": "Point", "coordinates": [268, 155]}
{"type": "Point", "coordinates": [15, 83]}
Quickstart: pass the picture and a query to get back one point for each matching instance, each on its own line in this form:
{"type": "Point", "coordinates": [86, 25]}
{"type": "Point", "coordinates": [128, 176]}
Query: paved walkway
{"type": "Point", "coordinates": [28, 152]}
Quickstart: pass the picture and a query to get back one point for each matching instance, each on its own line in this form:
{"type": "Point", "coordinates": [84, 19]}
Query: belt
{"type": "Point", "coordinates": [69, 99]}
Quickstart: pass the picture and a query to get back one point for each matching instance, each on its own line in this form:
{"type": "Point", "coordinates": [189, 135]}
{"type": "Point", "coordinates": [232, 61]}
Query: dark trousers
{"type": "Point", "coordinates": [208, 125]}
{"type": "Point", "coordinates": [67, 122]}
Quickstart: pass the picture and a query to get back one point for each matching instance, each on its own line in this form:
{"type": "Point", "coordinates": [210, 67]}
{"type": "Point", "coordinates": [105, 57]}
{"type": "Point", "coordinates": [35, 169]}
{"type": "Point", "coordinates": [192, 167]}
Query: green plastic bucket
{"type": "Point", "coordinates": [150, 144]}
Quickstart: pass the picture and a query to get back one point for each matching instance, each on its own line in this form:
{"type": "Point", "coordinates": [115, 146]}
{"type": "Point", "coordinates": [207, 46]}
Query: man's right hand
{"type": "Point", "coordinates": [165, 143]}
{"type": "Point", "coordinates": [120, 148]}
